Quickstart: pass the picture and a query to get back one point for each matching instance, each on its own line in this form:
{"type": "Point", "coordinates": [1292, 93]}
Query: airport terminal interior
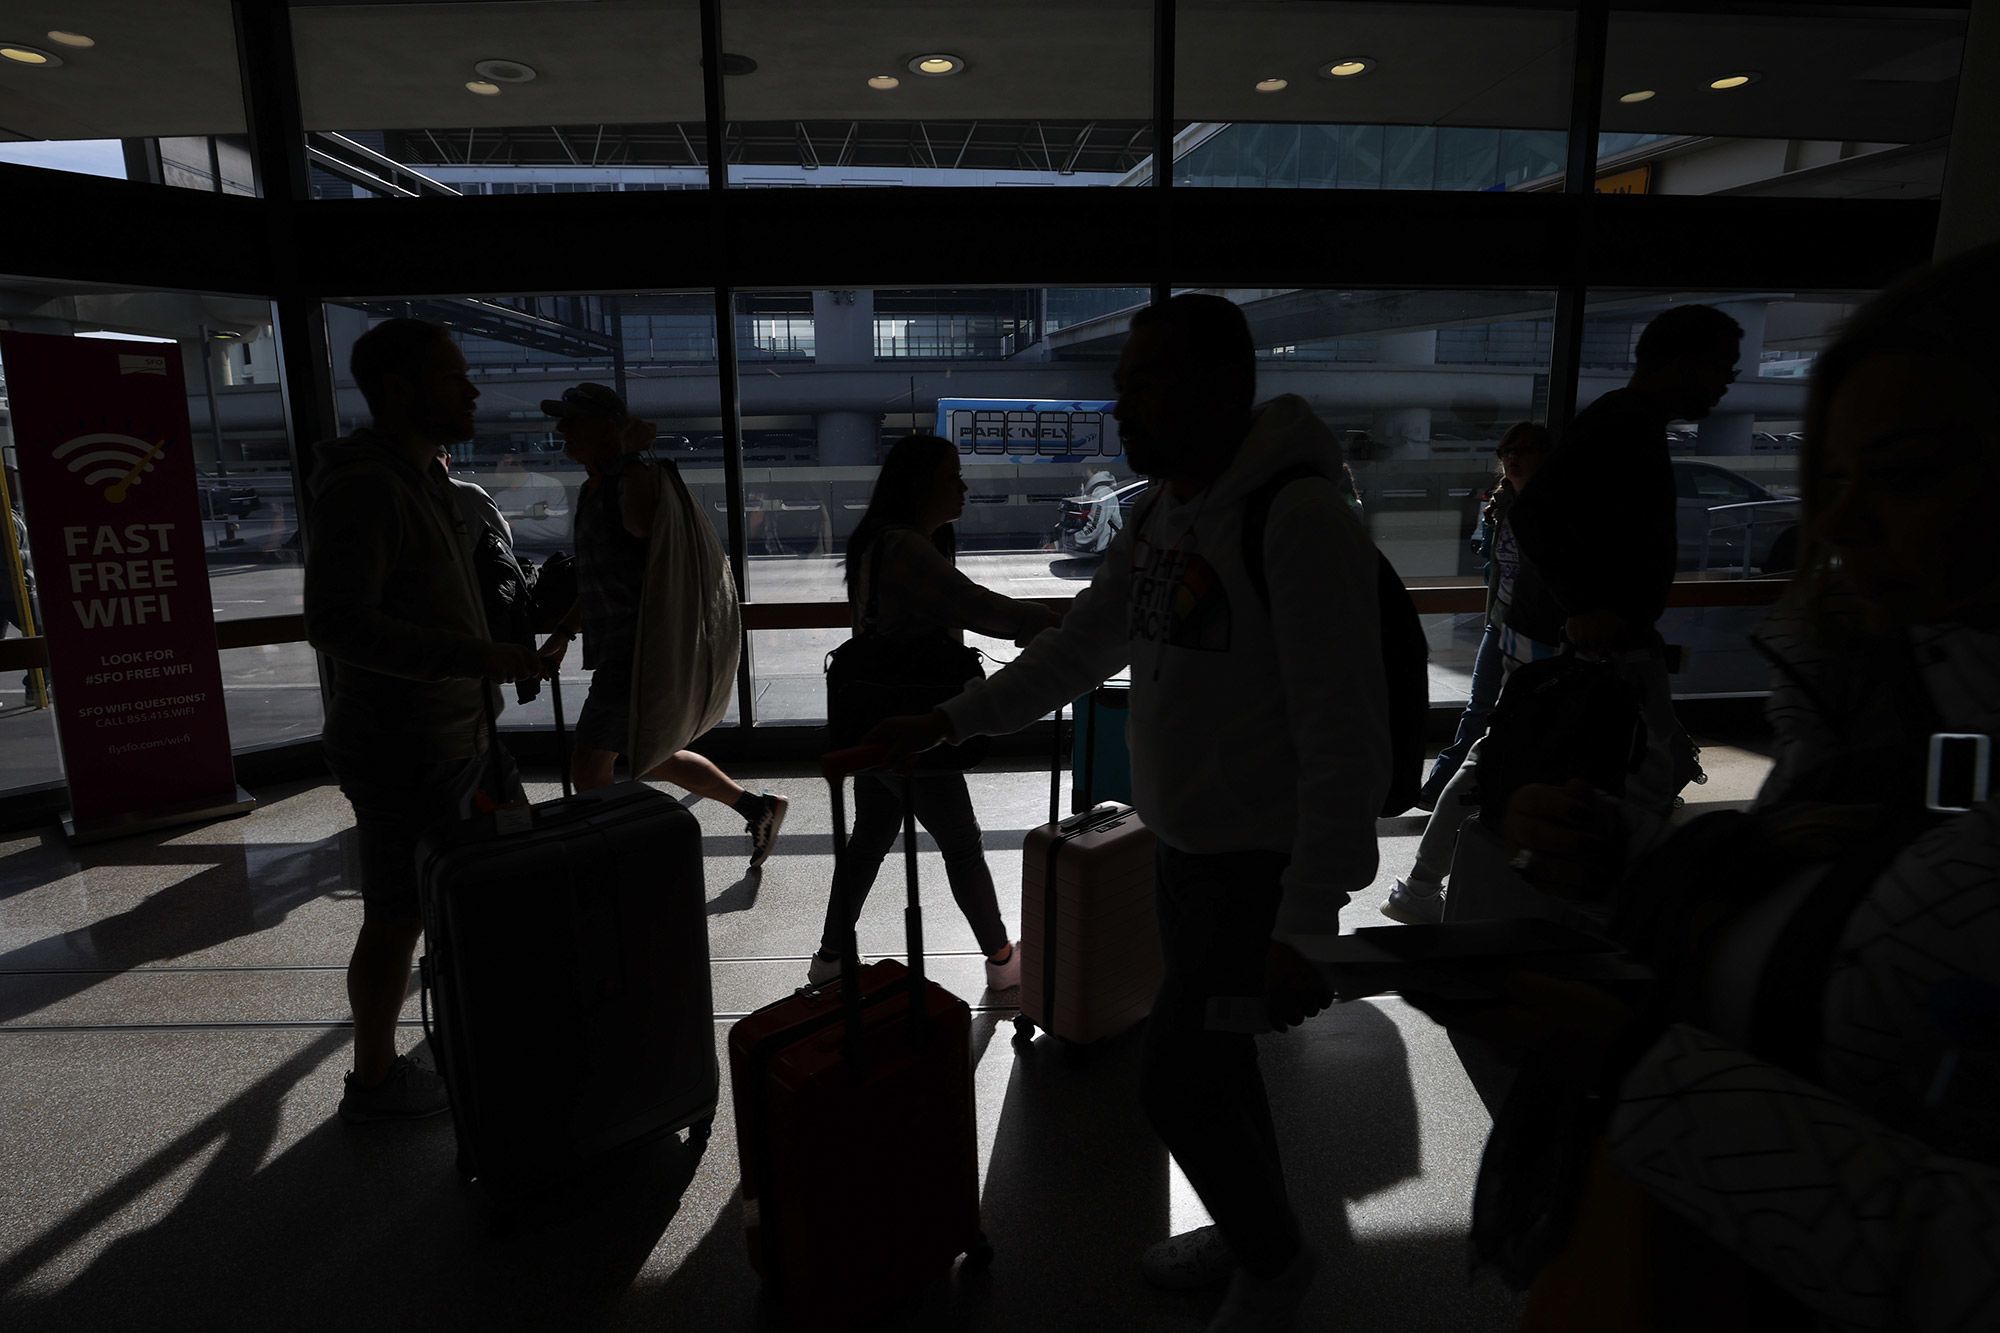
{"type": "Point", "coordinates": [789, 236]}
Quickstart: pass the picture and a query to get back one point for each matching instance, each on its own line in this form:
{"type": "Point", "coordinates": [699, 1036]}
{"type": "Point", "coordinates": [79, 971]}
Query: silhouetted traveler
{"type": "Point", "coordinates": [1260, 754]}
{"type": "Point", "coordinates": [902, 585]}
{"type": "Point", "coordinates": [1520, 453]}
{"type": "Point", "coordinates": [614, 514]}
{"type": "Point", "coordinates": [1599, 530]}
{"type": "Point", "coordinates": [1419, 898]}
{"type": "Point", "coordinates": [391, 599]}
{"type": "Point", "coordinates": [1809, 1122]}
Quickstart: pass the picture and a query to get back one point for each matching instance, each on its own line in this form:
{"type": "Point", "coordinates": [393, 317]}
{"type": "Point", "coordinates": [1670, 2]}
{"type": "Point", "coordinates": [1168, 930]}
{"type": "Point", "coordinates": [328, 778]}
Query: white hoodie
{"type": "Point", "coordinates": [1250, 729]}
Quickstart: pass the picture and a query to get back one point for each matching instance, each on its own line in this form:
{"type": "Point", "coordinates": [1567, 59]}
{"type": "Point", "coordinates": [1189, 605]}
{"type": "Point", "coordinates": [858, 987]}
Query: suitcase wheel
{"type": "Point", "coordinates": [981, 1253]}
{"type": "Point", "coordinates": [1024, 1029]}
{"type": "Point", "coordinates": [699, 1131]}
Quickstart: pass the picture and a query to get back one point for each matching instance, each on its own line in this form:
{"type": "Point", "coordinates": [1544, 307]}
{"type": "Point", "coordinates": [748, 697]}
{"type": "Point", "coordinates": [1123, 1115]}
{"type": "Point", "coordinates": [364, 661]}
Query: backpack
{"type": "Point", "coordinates": [1406, 652]}
{"type": "Point", "coordinates": [507, 587]}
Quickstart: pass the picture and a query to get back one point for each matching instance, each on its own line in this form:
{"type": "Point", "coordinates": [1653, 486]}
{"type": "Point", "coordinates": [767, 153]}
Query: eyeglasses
{"type": "Point", "coordinates": [1506, 454]}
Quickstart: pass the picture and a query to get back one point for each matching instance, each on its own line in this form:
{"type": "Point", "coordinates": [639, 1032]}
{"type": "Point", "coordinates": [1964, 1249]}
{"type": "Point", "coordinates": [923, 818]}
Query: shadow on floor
{"type": "Point", "coordinates": [234, 890]}
{"type": "Point", "coordinates": [350, 1227]}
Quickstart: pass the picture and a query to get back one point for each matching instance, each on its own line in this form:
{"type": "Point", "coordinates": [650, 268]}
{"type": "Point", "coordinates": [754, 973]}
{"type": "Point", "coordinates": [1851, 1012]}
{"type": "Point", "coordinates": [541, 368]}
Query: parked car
{"type": "Point", "coordinates": [221, 499]}
{"type": "Point", "coordinates": [1706, 498]}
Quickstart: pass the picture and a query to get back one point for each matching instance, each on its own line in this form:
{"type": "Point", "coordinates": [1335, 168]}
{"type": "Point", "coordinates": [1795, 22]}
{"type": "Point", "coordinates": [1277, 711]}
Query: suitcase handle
{"type": "Point", "coordinates": [837, 766]}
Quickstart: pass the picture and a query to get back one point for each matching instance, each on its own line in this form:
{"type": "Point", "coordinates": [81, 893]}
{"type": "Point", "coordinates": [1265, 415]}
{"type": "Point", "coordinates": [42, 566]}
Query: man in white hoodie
{"type": "Point", "coordinates": [1260, 754]}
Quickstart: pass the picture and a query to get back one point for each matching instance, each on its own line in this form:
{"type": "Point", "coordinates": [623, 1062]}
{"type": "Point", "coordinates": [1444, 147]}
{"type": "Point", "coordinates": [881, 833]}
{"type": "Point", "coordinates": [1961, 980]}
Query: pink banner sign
{"type": "Point", "coordinates": [114, 520]}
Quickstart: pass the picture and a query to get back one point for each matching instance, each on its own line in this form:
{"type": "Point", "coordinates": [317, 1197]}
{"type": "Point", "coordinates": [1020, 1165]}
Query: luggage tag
{"type": "Point", "coordinates": [1959, 775]}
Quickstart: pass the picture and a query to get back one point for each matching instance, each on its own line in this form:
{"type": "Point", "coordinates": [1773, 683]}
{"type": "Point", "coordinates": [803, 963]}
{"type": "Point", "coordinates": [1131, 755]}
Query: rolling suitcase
{"type": "Point", "coordinates": [565, 982]}
{"type": "Point", "coordinates": [854, 1120]}
{"type": "Point", "coordinates": [1090, 932]}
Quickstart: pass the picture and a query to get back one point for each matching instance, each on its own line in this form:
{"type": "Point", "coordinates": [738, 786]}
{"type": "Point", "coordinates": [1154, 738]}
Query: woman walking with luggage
{"type": "Point", "coordinates": [614, 513]}
{"type": "Point", "coordinates": [901, 583]}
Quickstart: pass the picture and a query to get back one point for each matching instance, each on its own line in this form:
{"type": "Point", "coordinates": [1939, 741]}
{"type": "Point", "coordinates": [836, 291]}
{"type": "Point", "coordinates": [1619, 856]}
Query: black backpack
{"type": "Point", "coordinates": [507, 586]}
{"type": "Point", "coordinates": [1406, 653]}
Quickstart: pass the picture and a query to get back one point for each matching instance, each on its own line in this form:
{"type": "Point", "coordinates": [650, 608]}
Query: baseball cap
{"type": "Point", "coordinates": [587, 400]}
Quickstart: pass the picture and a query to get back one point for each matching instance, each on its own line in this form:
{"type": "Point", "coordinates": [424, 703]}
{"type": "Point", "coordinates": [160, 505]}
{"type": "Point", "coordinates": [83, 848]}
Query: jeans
{"type": "Point", "coordinates": [1202, 1090]}
{"type": "Point", "coordinates": [1485, 691]}
{"type": "Point", "coordinates": [944, 808]}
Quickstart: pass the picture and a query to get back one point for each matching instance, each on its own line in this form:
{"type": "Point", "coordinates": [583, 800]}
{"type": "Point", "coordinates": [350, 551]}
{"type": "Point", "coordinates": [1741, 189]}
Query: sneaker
{"type": "Point", "coordinates": [822, 971]}
{"type": "Point", "coordinates": [1007, 975]}
{"type": "Point", "coordinates": [1256, 1304]}
{"type": "Point", "coordinates": [764, 828]}
{"type": "Point", "coordinates": [410, 1092]}
{"type": "Point", "coordinates": [1415, 903]}
{"type": "Point", "coordinates": [1189, 1261]}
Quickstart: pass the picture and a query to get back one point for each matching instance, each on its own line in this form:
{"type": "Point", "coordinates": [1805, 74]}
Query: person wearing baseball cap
{"type": "Point", "coordinates": [614, 515]}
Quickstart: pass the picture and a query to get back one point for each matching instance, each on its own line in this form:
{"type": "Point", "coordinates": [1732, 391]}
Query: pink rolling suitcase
{"type": "Point", "coordinates": [1090, 932]}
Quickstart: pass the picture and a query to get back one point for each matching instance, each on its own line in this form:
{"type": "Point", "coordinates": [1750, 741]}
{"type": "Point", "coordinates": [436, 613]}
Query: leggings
{"type": "Point", "coordinates": [944, 809]}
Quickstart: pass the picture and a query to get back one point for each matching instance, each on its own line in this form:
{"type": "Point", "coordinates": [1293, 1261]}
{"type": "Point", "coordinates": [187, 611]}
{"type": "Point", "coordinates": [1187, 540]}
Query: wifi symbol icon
{"type": "Point", "coordinates": [121, 460]}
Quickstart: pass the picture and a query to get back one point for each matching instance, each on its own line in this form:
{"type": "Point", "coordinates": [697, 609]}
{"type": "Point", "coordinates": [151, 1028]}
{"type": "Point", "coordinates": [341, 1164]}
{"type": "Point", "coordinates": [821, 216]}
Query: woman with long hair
{"type": "Point", "coordinates": [901, 582]}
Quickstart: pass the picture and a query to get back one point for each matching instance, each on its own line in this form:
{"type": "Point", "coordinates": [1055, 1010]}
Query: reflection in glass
{"type": "Point", "coordinates": [1447, 97]}
{"type": "Point", "coordinates": [1755, 100]}
{"type": "Point", "coordinates": [142, 92]}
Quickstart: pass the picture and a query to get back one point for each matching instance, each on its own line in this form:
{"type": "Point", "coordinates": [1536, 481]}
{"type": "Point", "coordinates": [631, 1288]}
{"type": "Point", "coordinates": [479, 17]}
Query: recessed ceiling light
{"type": "Point", "coordinates": [1346, 68]}
{"type": "Point", "coordinates": [1728, 81]}
{"type": "Point", "coordinates": [1642, 95]}
{"type": "Point", "coordinates": [884, 82]}
{"type": "Point", "coordinates": [936, 64]}
{"type": "Point", "coordinates": [482, 87]}
{"type": "Point", "coordinates": [1273, 85]}
{"type": "Point", "coordinates": [504, 71]}
{"type": "Point", "coordinates": [76, 39]}
{"type": "Point", "coordinates": [29, 55]}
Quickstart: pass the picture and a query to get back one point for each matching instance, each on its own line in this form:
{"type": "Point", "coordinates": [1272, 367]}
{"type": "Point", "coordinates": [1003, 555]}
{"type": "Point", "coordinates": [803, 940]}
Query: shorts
{"type": "Point", "coordinates": [604, 723]}
{"type": "Point", "coordinates": [395, 806]}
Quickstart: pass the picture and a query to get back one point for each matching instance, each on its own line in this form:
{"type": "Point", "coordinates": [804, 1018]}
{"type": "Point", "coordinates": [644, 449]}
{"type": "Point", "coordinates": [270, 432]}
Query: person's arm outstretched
{"type": "Point", "coordinates": [931, 586]}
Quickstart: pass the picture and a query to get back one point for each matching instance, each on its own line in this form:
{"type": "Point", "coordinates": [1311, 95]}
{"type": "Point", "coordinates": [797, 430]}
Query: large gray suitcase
{"type": "Point", "coordinates": [565, 982]}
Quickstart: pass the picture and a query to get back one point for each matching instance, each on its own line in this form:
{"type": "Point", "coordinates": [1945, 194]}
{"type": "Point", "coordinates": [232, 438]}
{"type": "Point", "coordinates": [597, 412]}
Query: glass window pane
{"type": "Point", "coordinates": [655, 349]}
{"type": "Point", "coordinates": [482, 99]}
{"type": "Point", "coordinates": [1854, 102]}
{"type": "Point", "coordinates": [917, 92]}
{"type": "Point", "coordinates": [1305, 95]}
{"type": "Point", "coordinates": [1018, 378]}
{"type": "Point", "coordinates": [134, 92]}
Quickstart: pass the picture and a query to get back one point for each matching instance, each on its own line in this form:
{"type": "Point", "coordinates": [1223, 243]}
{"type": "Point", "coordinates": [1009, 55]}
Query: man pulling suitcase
{"type": "Point", "coordinates": [1260, 754]}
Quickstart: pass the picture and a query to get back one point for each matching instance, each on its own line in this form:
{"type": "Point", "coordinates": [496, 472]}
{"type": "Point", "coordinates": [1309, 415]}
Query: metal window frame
{"type": "Point", "coordinates": [301, 253]}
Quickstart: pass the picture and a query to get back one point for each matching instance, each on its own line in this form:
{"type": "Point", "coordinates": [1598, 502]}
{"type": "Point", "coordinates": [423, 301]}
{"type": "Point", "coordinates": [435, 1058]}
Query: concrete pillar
{"type": "Point", "coordinates": [848, 439]}
{"type": "Point", "coordinates": [1405, 431]}
{"type": "Point", "coordinates": [1727, 432]}
{"type": "Point", "coordinates": [844, 328]}
{"type": "Point", "coordinates": [1970, 215]}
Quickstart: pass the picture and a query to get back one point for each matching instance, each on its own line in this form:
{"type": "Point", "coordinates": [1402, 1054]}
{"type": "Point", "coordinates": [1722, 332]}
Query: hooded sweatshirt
{"type": "Point", "coordinates": [392, 599]}
{"type": "Point", "coordinates": [1251, 728]}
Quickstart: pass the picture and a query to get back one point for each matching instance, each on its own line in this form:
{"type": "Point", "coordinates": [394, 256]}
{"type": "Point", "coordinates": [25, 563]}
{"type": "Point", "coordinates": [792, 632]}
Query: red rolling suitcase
{"type": "Point", "coordinates": [858, 1097]}
{"type": "Point", "coordinates": [1090, 930]}
{"type": "Point", "coordinates": [565, 982]}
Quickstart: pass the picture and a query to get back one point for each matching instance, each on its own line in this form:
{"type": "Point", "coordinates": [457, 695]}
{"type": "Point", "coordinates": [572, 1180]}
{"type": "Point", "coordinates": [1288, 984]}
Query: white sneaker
{"type": "Point", "coordinates": [1259, 1305]}
{"type": "Point", "coordinates": [1415, 902]}
{"type": "Point", "coordinates": [1007, 975]}
{"type": "Point", "coordinates": [822, 971]}
{"type": "Point", "coordinates": [1189, 1261]}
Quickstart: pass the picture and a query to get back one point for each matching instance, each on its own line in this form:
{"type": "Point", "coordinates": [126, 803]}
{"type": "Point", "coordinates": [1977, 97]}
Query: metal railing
{"type": "Point", "coordinates": [1748, 517]}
